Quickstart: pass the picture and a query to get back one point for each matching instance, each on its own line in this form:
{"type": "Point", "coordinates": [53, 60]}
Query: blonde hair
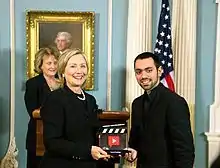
{"type": "Point", "coordinates": [41, 53]}
{"type": "Point", "coordinates": [63, 60]}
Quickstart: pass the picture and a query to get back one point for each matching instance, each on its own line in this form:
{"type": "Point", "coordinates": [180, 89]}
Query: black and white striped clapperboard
{"type": "Point", "coordinates": [113, 138]}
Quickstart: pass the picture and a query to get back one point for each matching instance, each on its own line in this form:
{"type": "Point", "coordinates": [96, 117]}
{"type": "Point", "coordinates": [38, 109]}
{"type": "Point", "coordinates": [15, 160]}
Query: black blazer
{"type": "Point", "coordinates": [36, 92]}
{"type": "Point", "coordinates": [70, 126]}
{"type": "Point", "coordinates": [162, 135]}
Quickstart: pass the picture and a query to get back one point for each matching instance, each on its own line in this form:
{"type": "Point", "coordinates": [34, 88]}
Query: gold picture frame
{"type": "Point", "coordinates": [43, 26]}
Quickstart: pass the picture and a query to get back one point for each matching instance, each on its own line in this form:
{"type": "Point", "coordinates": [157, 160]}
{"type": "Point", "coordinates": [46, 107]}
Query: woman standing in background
{"type": "Point", "coordinates": [37, 90]}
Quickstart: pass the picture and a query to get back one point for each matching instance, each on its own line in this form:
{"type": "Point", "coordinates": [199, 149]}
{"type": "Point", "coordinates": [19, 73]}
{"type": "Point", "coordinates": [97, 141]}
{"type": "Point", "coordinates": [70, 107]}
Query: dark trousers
{"type": "Point", "coordinates": [216, 162]}
{"type": "Point", "coordinates": [33, 161]}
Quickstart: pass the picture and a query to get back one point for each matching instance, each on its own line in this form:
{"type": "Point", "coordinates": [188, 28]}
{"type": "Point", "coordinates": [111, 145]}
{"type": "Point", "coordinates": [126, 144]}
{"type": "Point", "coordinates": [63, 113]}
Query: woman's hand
{"type": "Point", "coordinates": [98, 153]}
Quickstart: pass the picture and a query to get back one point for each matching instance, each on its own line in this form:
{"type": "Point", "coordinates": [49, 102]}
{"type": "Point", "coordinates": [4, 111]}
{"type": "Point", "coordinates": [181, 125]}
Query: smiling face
{"type": "Point", "coordinates": [76, 71]}
{"type": "Point", "coordinates": [49, 65]}
{"type": "Point", "coordinates": [147, 74]}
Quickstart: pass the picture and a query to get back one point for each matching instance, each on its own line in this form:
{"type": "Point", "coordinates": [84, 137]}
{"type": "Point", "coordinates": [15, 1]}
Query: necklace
{"type": "Point", "coordinates": [53, 84]}
{"type": "Point", "coordinates": [82, 98]}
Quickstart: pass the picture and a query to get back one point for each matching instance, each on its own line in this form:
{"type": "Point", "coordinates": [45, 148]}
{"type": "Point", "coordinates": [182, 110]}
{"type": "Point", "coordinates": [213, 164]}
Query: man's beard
{"type": "Point", "coordinates": [150, 86]}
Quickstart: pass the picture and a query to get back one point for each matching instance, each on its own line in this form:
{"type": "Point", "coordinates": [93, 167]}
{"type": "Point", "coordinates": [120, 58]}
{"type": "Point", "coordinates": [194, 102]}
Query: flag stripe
{"type": "Point", "coordinates": [170, 82]}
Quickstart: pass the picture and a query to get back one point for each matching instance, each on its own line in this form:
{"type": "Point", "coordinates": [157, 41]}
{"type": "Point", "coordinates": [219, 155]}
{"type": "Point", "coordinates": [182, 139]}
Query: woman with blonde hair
{"type": "Point", "coordinates": [70, 118]}
{"type": "Point", "coordinates": [37, 90]}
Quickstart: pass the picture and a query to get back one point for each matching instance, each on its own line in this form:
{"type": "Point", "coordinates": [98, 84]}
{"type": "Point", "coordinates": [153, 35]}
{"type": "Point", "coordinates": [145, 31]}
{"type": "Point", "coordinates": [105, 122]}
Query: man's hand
{"type": "Point", "coordinates": [131, 155]}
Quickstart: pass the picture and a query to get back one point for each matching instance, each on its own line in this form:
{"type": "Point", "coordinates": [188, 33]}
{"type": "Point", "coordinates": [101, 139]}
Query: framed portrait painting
{"type": "Point", "coordinates": [42, 28]}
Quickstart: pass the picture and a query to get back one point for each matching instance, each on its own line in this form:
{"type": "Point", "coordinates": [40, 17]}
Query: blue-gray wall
{"type": "Point", "coordinates": [4, 76]}
{"type": "Point", "coordinates": [206, 31]}
{"type": "Point", "coordinates": [206, 41]}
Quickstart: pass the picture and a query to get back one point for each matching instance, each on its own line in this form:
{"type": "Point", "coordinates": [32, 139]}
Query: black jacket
{"type": "Point", "coordinates": [162, 135]}
{"type": "Point", "coordinates": [70, 126]}
{"type": "Point", "coordinates": [36, 92]}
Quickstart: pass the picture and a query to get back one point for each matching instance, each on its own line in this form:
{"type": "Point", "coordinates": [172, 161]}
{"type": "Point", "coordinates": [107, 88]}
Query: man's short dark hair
{"type": "Point", "coordinates": [145, 55]}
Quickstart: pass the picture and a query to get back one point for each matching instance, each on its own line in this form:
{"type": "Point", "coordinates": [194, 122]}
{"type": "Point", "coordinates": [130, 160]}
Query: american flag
{"type": "Point", "coordinates": [163, 48]}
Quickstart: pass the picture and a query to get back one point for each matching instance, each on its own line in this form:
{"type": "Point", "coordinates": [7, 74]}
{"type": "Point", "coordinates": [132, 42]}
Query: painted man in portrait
{"type": "Point", "coordinates": [63, 41]}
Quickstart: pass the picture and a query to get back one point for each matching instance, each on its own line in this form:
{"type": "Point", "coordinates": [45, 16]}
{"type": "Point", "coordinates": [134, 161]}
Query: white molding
{"type": "Point", "coordinates": [109, 79]}
{"type": "Point", "coordinates": [12, 30]}
{"type": "Point", "coordinates": [213, 137]}
{"type": "Point", "coordinates": [9, 159]}
{"type": "Point", "coordinates": [213, 146]}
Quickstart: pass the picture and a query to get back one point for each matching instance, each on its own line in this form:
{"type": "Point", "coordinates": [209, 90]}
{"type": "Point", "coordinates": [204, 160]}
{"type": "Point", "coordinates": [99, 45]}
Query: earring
{"type": "Point", "coordinates": [63, 75]}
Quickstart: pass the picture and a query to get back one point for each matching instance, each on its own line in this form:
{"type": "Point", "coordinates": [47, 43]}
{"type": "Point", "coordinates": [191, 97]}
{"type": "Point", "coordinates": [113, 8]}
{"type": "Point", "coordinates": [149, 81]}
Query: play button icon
{"type": "Point", "coordinates": [113, 141]}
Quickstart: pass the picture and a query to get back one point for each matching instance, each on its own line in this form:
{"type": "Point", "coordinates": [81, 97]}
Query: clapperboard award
{"type": "Point", "coordinates": [113, 139]}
